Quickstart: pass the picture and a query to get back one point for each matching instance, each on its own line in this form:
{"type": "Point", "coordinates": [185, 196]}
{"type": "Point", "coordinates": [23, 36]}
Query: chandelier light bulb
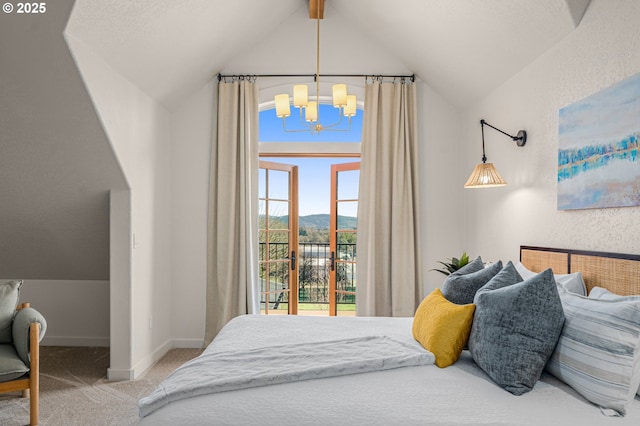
{"type": "Point", "coordinates": [300, 95]}
{"type": "Point", "coordinates": [283, 108]}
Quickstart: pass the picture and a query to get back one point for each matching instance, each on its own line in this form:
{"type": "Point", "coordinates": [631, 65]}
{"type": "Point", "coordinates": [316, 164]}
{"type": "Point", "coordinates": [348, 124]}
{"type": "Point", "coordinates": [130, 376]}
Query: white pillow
{"type": "Point", "coordinates": [603, 293]}
{"type": "Point", "coordinates": [573, 283]}
{"type": "Point", "coordinates": [598, 353]}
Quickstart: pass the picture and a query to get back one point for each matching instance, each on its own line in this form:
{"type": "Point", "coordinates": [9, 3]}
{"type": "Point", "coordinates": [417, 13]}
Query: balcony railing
{"type": "Point", "coordinates": [313, 273]}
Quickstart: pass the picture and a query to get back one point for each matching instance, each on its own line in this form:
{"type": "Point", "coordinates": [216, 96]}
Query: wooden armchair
{"type": "Point", "coordinates": [20, 359]}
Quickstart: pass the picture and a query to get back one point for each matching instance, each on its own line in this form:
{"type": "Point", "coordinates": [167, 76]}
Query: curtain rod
{"type": "Point", "coordinates": [412, 77]}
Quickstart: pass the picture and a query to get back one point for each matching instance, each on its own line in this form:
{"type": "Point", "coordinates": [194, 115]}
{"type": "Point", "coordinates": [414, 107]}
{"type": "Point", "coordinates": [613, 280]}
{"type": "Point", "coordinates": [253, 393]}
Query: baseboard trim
{"type": "Point", "coordinates": [74, 341]}
{"type": "Point", "coordinates": [119, 374]}
{"type": "Point", "coordinates": [148, 361]}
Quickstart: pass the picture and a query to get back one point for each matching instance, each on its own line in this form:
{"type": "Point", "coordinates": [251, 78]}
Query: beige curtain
{"type": "Point", "coordinates": [232, 277]}
{"type": "Point", "coordinates": [389, 273]}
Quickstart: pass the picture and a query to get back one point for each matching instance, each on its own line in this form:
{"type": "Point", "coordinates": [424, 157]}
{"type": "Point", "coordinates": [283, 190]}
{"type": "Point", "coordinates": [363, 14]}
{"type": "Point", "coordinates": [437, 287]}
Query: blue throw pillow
{"type": "Point", "coordinates": [461, 288]}
{"type": "Point", "coordinates": [516, 327]}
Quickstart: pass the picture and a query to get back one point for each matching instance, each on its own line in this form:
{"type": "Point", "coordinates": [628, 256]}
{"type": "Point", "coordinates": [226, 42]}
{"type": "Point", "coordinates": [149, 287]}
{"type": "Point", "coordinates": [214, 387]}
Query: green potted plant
{"type": "Point", "coordinates": [454, 264]}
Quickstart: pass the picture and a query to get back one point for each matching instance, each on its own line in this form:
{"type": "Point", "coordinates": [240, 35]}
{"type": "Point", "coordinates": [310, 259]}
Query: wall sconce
{"type": "Point", "coordinates": [485, 175]}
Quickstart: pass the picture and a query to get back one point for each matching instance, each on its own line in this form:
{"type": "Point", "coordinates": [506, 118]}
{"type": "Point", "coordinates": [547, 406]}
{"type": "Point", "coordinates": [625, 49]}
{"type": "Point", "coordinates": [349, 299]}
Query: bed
{"type": "Point", "coordinates": [421, 394]}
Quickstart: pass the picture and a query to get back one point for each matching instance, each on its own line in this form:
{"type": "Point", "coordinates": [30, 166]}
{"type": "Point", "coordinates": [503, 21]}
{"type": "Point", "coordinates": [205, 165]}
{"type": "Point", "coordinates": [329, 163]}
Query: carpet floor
{"type": "Point", "coordinates": [74, 389]}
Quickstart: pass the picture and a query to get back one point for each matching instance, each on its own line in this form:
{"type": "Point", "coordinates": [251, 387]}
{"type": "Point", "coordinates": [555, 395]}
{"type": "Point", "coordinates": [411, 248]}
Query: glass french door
{"type": "Point", "coordinates": [342, 238]}
{"type": "Point", "coordinates": [278, 238]}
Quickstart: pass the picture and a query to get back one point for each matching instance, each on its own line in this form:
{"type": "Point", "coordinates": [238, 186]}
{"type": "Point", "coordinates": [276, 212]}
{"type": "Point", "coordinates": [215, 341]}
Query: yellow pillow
{"type": "Point", "coordinates": [442, 327]}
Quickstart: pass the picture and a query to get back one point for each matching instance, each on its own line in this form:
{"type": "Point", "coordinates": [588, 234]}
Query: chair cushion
{"type": "Point", "coordinates": [9, 296]}
{"type": "Point", "coordinates": [11, 366]}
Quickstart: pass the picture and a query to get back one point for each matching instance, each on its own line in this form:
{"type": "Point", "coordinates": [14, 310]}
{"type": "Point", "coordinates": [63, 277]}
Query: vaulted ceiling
{"type": "Point", "coordinates": [56, 162]}
{"type": "Point", "coordinates": [461, 48]}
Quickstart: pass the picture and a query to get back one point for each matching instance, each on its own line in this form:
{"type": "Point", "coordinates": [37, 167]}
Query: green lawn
{"type": "Point", "coordinates": [325, 306]}
{"type": "Point", "coordinates": [314, 306]}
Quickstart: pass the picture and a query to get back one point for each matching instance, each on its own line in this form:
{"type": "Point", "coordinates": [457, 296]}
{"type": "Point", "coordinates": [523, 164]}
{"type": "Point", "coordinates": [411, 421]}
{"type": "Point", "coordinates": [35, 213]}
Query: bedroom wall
{"type": "Point", "coordinates": [77, 311]}
{"type": "Point", "coordinates": [56, 165]}
{"type": "Point", "coordinates": [602, 51]}
{"type": "Point", "coordinates": [56, 170]}
{"type": "Point", "coordinates": [139, 131]}
{"type": "Point", "coordinates": [440, 160]}
{"type": "Point", "coordinates": [191, 135]}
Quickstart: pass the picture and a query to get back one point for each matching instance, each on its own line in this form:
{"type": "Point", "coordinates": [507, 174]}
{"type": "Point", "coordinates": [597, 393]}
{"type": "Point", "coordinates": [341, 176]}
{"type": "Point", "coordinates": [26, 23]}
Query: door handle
{"type": "Point", "coordinates": [332, 260]}
{"type": "Point", "coordinates": [293, 260]}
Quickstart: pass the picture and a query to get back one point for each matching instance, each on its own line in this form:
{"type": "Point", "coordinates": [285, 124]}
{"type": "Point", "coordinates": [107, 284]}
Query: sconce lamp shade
{"type": "Point", "coordinates": [283, 109]}
{"type": "Point", "coordinates": [484, 175]}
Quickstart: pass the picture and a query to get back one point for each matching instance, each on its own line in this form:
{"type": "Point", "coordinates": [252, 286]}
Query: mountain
{"type": "Point", "coordinates": [321, 221]}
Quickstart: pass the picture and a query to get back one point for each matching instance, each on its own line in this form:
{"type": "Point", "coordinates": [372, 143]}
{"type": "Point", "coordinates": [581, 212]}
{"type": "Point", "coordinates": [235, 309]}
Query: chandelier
{"type": "Point", "coordinates": [308, 110]}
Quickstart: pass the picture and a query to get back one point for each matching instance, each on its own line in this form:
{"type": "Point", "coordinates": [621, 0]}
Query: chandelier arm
{"type": "Point", "coordinates": [284, 127]}
{"type": "Point", "coordinates": [302, 123]}
{"type": "Point", "coordinates": [331, 129]}
{"type": "Point", "coordinates": [337, 123]}
{"type": "Point", "coordinates": [318, 62]}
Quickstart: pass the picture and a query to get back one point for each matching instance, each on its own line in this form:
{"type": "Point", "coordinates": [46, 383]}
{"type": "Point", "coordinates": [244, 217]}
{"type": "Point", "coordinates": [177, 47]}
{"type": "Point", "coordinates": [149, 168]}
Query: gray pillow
{"type": "Point", "coordinates": [515, 328]}
{"type": "Point", "coordinates": [505, 277]}
{"type": "Point", "coordinates": [9, 296]}
{"type": "Point", "coordinates": [474, 266]}
{"type": "Point", "coordinates": [461, 289]}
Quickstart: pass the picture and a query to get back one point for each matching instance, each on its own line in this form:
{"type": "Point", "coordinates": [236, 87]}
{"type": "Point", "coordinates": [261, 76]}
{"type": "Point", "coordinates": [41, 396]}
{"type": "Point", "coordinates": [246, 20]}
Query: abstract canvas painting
{"type": "Point", "coordinates": [598, 155]}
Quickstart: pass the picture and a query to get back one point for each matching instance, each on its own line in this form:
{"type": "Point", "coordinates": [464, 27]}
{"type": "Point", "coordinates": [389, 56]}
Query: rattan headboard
{"type": "Point", "coordinates": [619, 273]}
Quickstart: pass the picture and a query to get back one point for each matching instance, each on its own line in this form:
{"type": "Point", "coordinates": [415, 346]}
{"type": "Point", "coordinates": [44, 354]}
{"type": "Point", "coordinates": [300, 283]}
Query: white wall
{"type": "Point", "coordinates": [56, 165]}
{"type": "Point", "coordinates": [441, 192]}
{"type": "Point", "coordinates": [139, 131]}
{"type": "Point", "coordinates": [191, 136]}
{"type": "Point", "coordinates": [604, 49]}
{"type": "Point", "coordinates": [77, 311]}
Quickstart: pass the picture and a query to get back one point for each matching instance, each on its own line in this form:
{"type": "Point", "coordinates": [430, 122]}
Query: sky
{"type": "Point", "coordinates": [271, 127]}
{"type": "Point", "coordinates": [314, 173]}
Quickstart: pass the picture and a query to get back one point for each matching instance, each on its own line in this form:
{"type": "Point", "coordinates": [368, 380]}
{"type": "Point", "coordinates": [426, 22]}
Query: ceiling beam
{"type": "Point", "coordinates": [313, 9]}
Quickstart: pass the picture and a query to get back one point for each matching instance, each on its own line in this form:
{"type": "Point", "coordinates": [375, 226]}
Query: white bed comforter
{"type": "Point", "coordinates": [424, 395]}
{"type": "Point", "coordinates": [272, 365]}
